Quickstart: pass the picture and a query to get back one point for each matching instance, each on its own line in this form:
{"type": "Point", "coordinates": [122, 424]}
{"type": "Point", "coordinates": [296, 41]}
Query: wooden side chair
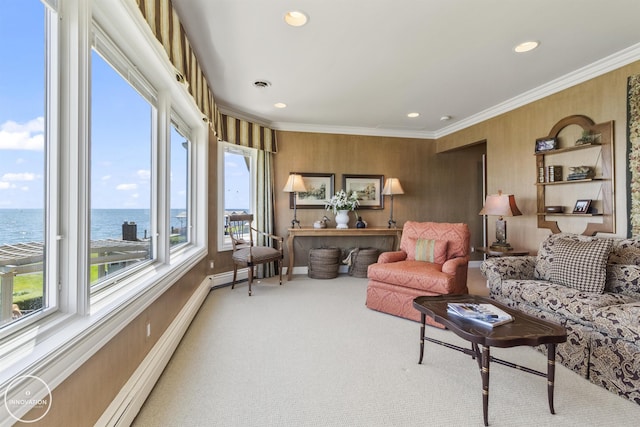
{"type": "Point", "coordinates": [245, 253]}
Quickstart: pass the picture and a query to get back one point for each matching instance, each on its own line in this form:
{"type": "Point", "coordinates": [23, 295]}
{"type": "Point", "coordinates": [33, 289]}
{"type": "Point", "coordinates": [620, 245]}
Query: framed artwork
{"type": "Point", "coordinates": [546, 144]}
{"type": "Point", "coordinates": [582, 206]}
{"type": "Point", "coordinates": [367, 187]}
{"type": "Point", "coordinates": [319, 189]}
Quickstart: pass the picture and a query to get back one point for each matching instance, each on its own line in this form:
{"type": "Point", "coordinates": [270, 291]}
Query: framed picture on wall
{"type": "Point", "coordinates": [367, 187]}
{"type": "Point", "coordinates": [319, 189]}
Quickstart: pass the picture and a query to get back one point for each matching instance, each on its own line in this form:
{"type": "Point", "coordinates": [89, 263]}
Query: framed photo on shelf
{"type": "Point", "coordinates": [367, 187]}
{"type": "Point", "coordinates": [319, 189]}
{"type": "Point", "coordinates": [582, 206]}
{"type": "Point", "coordinates": [546, 144]}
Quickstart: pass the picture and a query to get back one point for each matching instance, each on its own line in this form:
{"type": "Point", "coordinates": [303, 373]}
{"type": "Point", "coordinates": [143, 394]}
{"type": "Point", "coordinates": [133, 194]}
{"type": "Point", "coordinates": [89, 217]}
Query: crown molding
{"type": "Point", "coordinates": [588, 72]}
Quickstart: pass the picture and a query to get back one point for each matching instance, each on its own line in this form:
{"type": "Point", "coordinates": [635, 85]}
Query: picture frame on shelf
{"type": "Point", "coordinates": [367, 187]}
{"type": "Point", "coordinates": [319, 189]}
{"type": "Point", "coordinates": [546, 144]}
{"type": "Point", "coordinates": [582, 206]}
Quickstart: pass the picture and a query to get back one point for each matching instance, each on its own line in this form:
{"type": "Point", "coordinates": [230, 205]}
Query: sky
{"type": "Point", "coordinates": [120, 125]}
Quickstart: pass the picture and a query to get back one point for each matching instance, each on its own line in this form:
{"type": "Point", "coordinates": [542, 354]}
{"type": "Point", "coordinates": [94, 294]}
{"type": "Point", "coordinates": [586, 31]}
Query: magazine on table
{"type": "Point", "coordinates": [486, 314]}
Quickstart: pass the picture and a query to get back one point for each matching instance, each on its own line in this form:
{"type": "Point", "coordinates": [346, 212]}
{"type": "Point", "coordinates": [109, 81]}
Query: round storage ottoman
{"type": "Point", "coordinates": [324, 263]}
{"type": "Point", "coordinates": [361, 258]}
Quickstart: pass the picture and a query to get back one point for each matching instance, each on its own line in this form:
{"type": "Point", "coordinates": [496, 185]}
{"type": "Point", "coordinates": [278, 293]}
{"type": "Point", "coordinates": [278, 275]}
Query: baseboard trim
{"type": "Point", "coordinates": [126, 405]}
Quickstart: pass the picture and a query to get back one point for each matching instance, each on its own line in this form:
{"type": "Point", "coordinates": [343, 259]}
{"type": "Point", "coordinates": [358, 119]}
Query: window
{"type": "Point", "coordinates": [23, 156]}
{"type": "Point", "coordinates": [121, 150]}
{"type": "Point", "coordinates": [179, 187]}
{"type": "Point", "coordinates": [237, 183]}
{"type": "Point", "coordinates": [75, 165]}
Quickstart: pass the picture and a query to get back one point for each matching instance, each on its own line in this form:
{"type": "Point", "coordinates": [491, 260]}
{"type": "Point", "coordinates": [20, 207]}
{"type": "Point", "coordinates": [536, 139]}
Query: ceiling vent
{"type": "Point", "coordinates": [261, 84]}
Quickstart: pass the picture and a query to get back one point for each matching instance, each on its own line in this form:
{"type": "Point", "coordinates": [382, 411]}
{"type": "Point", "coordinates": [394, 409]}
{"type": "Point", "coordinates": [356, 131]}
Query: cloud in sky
{"type": "Point", "coordinates": [24, 176]}
{"type": "Point", "coordinates": [144, 174]}
{"type": "Point", "coordinates": [126, 187]}
{"type": "Point", "coordinates": [22, 136]}
{"type": "Point", "coordinates": [4, 185]}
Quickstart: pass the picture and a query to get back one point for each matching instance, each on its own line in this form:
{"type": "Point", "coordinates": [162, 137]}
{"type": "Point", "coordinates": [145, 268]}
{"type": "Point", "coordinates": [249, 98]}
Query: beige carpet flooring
{"type": "Point", "coordinates": [309, 353]}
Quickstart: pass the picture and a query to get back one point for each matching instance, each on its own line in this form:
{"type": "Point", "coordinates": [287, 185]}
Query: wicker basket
{"type": "Point", "coordinates": [324, 263]}
{"type": "Point", "coordinates": [361, 258]}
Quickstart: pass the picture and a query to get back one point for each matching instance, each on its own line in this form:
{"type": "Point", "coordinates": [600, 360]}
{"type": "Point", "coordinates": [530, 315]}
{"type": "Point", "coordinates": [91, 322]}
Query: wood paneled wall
{"type": "Point", "coordinates": [510, 146]}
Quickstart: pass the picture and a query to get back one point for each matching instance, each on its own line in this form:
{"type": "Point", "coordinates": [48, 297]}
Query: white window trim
{"type": "Point", "coordinates": [223, 146]}
{"type": "Point", "coordinates": [54, 346]}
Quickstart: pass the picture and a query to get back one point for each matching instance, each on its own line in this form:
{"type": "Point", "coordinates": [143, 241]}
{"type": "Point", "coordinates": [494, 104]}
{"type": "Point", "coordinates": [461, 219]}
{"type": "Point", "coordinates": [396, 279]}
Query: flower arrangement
{"type": "Point", "coordinates": [341, 202]}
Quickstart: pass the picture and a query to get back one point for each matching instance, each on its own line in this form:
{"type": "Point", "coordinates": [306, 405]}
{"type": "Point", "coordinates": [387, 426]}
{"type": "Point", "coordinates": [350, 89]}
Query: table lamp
{"type": "Point", "coordinates": [501, 205]}
{"type": "Point", "coordinates": [392, 186]}
{"type": "Point", "coordinates": [294, 185]}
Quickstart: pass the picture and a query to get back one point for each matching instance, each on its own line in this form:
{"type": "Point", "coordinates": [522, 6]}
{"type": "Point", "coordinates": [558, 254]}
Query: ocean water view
{"type": "Point", "coordinates": [27, 225]}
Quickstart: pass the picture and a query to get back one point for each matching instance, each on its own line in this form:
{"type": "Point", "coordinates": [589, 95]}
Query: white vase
{"type": "Point", "coordinates": [342, 219]}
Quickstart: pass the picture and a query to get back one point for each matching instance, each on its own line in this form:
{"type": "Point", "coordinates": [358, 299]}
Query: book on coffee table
{"type": "Point", "coordinates": [485, 314]}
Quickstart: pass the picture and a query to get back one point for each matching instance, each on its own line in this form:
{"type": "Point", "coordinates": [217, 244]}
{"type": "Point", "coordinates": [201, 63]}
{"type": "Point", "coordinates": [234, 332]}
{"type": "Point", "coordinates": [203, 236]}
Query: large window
{"type": "Point", "coordinates": [23, 155]}
{"type": "Point", "coordinates": [121, 150]}
{"type": "Point", "coordinates": [103, 170]}
{"type": "Point", "coordinates": [237, 183]}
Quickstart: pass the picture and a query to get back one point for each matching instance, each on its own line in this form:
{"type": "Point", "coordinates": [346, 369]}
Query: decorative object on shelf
{"type": "Point", "coordinates": [546, 144]}
{"type": "Point", "coordinates": [501, 205]}
{"type": "Point", "coordinates": [580, 172]}
{"type": "Point", "coordinates": [554, 209]}
{"type": "Point", "coordinates": [582, 206]}
{"type": "Point", "coordinates": [294, 185]}
{"type": "Point", "coordinates": [587, 137]}
{"type": "Point", "coordinates": [341, 204]}
{"type": "Point", "coordinates": [360, 223]}
{"type": "Point", "coordinates": [318, 187]}
{"type": "Point", "coordinates": [392, 187]}
{"type": "Point", "coordinates": [322, 223]}
{"type": "Point", "coordinates": [367, 187]}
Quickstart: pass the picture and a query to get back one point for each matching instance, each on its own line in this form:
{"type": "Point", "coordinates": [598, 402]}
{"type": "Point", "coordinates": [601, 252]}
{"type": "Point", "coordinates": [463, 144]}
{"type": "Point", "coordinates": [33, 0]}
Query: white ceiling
{"type": "Point", "coordinates": [359, 66]}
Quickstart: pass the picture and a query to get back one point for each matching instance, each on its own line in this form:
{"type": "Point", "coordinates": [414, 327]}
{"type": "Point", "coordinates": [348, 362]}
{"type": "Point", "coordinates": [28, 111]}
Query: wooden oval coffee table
{"type": "Point", "coordinates": [524, 330]}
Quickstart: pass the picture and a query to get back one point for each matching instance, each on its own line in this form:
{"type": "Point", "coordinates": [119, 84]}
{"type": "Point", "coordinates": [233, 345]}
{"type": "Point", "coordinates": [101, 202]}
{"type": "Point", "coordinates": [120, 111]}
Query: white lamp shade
{"type": "Point", "coordinates": [500, 205]}
{"type": "Point", "coordinates": [392, 186]}
{"type": "Point", "coordinates": [294, 184]}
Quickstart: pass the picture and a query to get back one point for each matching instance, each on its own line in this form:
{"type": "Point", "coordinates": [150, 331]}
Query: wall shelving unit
{"type": "Point", "coordinates": [605, 144]}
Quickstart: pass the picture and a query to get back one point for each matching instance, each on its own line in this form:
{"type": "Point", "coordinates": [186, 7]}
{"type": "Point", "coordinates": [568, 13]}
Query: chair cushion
{"type": "Point", "coordinates": [419, 275]}
{"type": "Point", "coordinates": [260, 254]}
{"type": "Point", "coordinates": [623, 279]}
{"type": "Point", "coordinates": [581, 265]}
{"type": "Point", "coordinates": [431, 250]}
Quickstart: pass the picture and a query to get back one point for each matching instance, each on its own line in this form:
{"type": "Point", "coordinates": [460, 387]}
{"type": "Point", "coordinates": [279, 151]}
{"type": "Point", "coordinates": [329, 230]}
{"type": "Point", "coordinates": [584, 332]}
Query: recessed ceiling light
{"type": "Point", "coordinates": [412, 115]}
{"type": "Point", "coordinates": [526, 46]}
{"type": "Point", "coordinates": [295, 18]}
{"type": "Point", "coordinates": [445, 118]}
{"type": "Point", "coordinates": [280, 105]}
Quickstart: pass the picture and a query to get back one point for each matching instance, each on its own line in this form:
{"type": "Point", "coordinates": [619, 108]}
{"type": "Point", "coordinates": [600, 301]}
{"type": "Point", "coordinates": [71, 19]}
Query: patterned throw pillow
{"type": "Point", "coordinates": [431, 250]}
{"type": "Point", "coordinates": [581, 265]}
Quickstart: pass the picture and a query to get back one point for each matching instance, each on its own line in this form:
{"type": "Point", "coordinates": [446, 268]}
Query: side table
{"type": "Point", "coordinates": [494, 253]}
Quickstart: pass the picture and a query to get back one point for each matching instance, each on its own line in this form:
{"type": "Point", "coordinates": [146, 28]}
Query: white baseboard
{"type": "Point", "coordinates": [126, 405]}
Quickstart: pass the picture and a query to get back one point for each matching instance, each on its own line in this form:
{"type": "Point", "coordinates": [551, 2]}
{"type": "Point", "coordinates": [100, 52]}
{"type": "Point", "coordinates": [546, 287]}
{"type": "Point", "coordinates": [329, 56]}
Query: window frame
{"type": "Point", "coordinates": [252, 153]}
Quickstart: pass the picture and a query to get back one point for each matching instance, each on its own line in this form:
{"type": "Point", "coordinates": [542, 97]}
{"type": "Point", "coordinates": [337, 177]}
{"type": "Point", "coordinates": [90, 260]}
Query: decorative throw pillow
{"type": "Point", "coordinates": [431, 250]}
{"type": "Point", "coordinates": [623, 279]}
{"type": "Point", "coordinates": [581, 265]}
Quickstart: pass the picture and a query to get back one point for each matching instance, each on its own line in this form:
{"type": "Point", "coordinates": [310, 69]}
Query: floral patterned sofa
{"type": "Point", "coordinates": [592, 287]}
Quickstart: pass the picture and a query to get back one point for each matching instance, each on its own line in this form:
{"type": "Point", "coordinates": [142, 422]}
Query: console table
{"type": "Point", "coordinates": [339, 232]}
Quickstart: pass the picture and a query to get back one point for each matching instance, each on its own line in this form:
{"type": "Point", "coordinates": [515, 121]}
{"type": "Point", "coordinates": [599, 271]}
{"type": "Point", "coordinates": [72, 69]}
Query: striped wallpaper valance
{"type": "Point", "coordinates": [247, 134]}
{"type": "Point", "coordinates": [165, 25]}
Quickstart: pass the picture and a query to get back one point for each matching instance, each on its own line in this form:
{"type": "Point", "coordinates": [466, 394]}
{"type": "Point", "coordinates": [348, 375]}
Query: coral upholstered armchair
{"type": "Point", "coordinates": [432, 260]}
